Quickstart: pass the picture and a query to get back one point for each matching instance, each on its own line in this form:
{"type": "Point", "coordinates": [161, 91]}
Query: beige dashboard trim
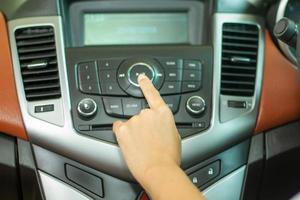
{"type": "Point", "coordinates": [280, 100]}
{"type": "Point", "coordinates": [11, 122]}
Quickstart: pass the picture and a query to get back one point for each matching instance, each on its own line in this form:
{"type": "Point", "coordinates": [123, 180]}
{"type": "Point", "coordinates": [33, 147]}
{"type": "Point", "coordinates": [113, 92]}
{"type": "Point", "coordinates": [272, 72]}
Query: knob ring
{"type": "Point", "coordinates": [87, 114]}
{"type": "Point", "coordinates": [139, 63]}
{"type": "Point", "coordinates": [192, 110]}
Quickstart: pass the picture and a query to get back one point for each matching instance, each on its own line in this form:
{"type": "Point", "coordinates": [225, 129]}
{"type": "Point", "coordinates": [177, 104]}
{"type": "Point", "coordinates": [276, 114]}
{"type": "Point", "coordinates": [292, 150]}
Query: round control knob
{"type": "Point", "coordinates": [140, 68]}
{"type": "Point", "coordinates": [195, 105]}
{"type": "Point", "coordinates": [286, 30]}
{"type": "Point", "coordinates": [87, 107]}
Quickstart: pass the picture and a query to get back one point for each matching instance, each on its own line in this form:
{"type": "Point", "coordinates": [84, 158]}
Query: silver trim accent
{"type": "Point", "coordinates": [284, 47]}
{"type": "Point", "coordinates": [238, 59]}
{"type": "Point", "coordinates": [106, 157]}
{"type": "Point", "coordinates": [140, 63]}
{"type": "Point", "coordinates": [228, 113]}
{"type": "Point", "coordinates": [55, 189]}
{"type": "Point", "coordinates": [229, 187]}
{"type": "Point", "coordinates": [37, 65]}
{"type": "Point", "coordinates": [87, 114]}
{"type": "Point", "coordinates": [195, 111]}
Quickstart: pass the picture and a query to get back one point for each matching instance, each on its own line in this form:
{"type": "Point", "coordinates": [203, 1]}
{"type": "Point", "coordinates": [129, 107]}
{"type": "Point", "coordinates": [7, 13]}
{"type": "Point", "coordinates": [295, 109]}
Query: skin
{"type": "Point", "coordinates": [151, 147]}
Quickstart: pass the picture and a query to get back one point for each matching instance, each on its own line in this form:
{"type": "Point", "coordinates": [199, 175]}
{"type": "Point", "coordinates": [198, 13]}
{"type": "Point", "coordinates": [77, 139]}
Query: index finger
{"type": "Point", "coordinates": [151, 94]}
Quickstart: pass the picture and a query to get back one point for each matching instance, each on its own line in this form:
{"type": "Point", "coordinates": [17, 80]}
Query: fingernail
{"type": "Point", "coordinates": [141, 77]}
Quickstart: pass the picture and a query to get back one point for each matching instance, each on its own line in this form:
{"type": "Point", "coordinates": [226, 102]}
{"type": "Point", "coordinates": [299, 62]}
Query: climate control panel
{"type": "Point", "coordinates": [104, 88]}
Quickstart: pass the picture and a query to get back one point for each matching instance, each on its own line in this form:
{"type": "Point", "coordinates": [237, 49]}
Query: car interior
{"type": "Point", "coordinates": [227, 69]}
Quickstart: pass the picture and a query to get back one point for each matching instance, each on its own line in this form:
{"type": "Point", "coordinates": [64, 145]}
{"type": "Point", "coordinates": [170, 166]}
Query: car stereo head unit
{"type": "Point", "coordinates": [136, 23]}
{"type": "Point", "coordinates": [104, 88]}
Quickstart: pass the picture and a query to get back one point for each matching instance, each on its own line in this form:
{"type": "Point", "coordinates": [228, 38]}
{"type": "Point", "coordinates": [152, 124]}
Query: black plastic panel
{"type": "Point", "coordinates": [9, 181]}
{"type": "Point", "coordinates": [112, 188]}
{"type": "Point", "coordinates": [31, 189]}
{"type": "Point", "coordinates": [255, 167]}
{"type": "Point", "coordinates": [281, 178]}
{"type": "Point", "coordinates": [100, 125]}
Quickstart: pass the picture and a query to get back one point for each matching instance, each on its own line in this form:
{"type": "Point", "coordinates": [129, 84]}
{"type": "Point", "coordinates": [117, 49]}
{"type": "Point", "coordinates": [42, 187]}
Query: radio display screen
{"type": "Point", "coordinates": [135, 28]}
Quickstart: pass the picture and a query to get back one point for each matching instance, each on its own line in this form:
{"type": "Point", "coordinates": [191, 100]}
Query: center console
{"type": "Point", "coordinates": [104, 88]}
{"type": "Point", "coordinates": [76, 74]}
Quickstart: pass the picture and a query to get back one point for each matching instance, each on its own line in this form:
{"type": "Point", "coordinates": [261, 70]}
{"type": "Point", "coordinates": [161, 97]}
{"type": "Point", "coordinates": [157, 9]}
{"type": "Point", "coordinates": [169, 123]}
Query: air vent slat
{"type": "Point", "coordinates": [37, 72]}
{"type": "Point", "coordinates": [231, 44]}
{"type": "Point", "coordinates": [37, 56]}
{"type": "Point", "coordinates": [239, 59]}
{"type": "Point", "coordinates": [238, 82]}
{"type": "Point", "coordinates": [40, 41]}
{"type": "Point", "coordinates": [51, 62]}
{"type": "Point", "coordinates": [40, 79]}
{"type": "Point", "coordinates": [38, 62]}
{"type": "Point", "coordinates": [45, 94]}
{"type": "Point", "coordinates": [246, 39]}
{"type": "Point", "coordinates": [39, 35]}
{"type": "Point", "coordinates": [239, 75]}
{"type": "Point", "coordinates": [250, 53]}
{"type": "Point", "coordinates": [240, 31]}
{"type": "Point", "coordinates": [44, 86]}
{"type": "Point", "coordinates": [239, 67]}
{"type": "Point", "coordinates": [37, 49]}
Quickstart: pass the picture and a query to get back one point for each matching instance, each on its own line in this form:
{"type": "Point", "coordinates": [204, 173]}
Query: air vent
{"type": "Point", "coordinates": [239, 59]}
{"type": "Point", "coordinates": [38, 62]}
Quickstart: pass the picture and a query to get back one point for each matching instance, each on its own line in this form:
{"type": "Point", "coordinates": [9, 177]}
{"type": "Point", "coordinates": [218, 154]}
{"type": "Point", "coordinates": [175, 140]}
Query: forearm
{"type": "Point", "coordinates": [170, 182]}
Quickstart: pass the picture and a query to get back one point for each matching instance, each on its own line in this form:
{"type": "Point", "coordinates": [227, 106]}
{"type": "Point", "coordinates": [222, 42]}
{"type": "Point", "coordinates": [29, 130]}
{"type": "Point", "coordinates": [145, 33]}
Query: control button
{"type": "Point", "coordinates": [159, 77]}
{"type": "Point", "coordinates": [170, 63]}
{"type": "Point", "coordinates": [191, 75]}
{"type": "Point", "coordinates": [111, 88]}
{"type": "Point", "coordinates": [173, 74]}
{"type": "Point", "coordinates": [237, 104]}
{"type": "Point", "coordinates": [191, 86]}
{"type": "Point", "coordinates": [205, 174]}
{"type": "Point", "coordinates": [195, 105]}
{"type": "Point", "coordinates": [198, 125]}
{"type": "Point", "coordinates": [109, 64]}
{"type": "Point", "coordinates": [113, 106]}
{"type": "Point", "coordinates": [130, 69]}
{"type": "Point", "coordinates": [140, 68]}
{"type": "Point", "coordinates": [88, 79]}
{"type": "Point", "coordinates": [122, 78]}
{"type": "Point", "coordinates": [131, 106]}
{"type": "Point", "coordinates": [87, 107]}
{"type": "Point", "coordinates": [173, 102]}
{"type": "Point", "coordinates": [171, 88]}
{"type": "Point", "coordinates": [86, 180]}
{"type": "Point", "coordinates": [107, 76]}
{"type": "Point", "coordinates": [84, 127]}
{"type": "Point", "coordinates": [134, 91]}
{"type": "Point", "coordinates": [44, 108]}
{"type": "Point", "coordinates": [192, 65]}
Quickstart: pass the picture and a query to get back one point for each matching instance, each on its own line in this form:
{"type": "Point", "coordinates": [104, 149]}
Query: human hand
{"type": "Point", "coordinates": [149, 140]}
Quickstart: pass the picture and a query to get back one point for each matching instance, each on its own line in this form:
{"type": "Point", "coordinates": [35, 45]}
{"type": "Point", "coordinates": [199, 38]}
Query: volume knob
{"type": "Point", "coordinates": [195, 105]}
{"type": "Point", "coordinates": [87, 107]}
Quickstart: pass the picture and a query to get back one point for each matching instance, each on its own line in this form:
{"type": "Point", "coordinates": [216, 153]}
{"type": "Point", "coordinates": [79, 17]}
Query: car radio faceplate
{"type": "Point", "coordinates": [104, 88]}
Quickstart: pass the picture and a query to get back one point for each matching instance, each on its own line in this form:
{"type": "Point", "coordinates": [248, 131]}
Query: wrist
{"type": "Point", "coordinates": [155, 176]}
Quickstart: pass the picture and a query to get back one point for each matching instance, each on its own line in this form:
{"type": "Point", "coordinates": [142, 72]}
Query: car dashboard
{"type": "Point", "coordinates": [72, 70]}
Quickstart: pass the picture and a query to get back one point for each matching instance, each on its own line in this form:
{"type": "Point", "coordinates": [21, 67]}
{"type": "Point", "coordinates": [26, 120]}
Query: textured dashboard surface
{"type": "Point", "coordinates": [280, 100]}
{"type": "Point", "coordinates": [10, 115]}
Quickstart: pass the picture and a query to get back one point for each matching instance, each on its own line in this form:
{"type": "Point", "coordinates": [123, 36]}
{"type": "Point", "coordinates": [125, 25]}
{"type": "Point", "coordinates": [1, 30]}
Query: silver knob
{"type": "Point", "coordinates": [195, 105]}
{"type": "Point", "coordinates": [87, 107]}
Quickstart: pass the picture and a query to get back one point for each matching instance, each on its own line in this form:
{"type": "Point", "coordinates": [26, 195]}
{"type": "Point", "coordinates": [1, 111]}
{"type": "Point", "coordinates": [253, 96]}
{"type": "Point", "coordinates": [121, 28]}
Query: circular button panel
{"type": "Point", "coordinates": [195, 105]}
{"type": "Point", "coordinates": [130, 69]}
{"type": "Point", "coordinates": [140, 68]}
{"type": "Point", "coordinates": [87, 107]}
